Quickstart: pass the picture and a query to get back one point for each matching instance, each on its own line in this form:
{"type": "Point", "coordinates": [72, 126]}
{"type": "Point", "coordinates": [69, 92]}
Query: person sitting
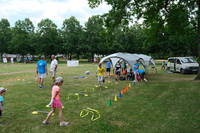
{"type": "Point", "coordinates": [124, 74]}
{"type": "Point", "coordinates": [130, 74]}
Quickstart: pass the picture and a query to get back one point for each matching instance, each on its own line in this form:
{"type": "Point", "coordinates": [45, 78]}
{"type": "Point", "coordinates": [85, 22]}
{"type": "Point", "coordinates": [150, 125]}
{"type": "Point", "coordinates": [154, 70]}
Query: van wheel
{"type": "Point", "coordinates": [182, 71]}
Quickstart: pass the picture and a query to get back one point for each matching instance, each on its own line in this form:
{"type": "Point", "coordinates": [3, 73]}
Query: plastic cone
{"type": "Point", "coordinates": [109, 103]}
{"type": "Point", "coordinates": [120, 95]}
{"type": "Point", "coordinates": [122, 91]}
{"type": "Point", "coordinates": [129, 85]}
{"type": "Point", "coordinates": [115, 99]}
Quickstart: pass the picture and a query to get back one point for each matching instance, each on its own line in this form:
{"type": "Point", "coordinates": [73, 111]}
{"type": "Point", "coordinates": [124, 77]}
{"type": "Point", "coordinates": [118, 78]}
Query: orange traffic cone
{"type": "Point", "coordinates": [122, 91]}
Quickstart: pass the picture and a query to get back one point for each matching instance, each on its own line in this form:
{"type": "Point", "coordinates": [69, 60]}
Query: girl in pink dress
{"type": "Point", "coordinates": [55, 102]}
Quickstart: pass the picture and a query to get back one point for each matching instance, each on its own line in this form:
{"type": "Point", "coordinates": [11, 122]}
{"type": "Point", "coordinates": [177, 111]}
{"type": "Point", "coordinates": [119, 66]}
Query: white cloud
{"type": "Point", "coordinates": [56, 10]}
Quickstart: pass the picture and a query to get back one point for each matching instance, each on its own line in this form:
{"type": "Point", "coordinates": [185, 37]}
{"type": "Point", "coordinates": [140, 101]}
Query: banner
{"type": "Point", "coordinates": [72, 63]}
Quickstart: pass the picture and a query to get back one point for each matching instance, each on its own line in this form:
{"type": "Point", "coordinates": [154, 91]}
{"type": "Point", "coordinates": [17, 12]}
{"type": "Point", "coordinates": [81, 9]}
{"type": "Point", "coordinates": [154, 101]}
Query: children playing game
{"type": "Point", "coordinates": [101, 73]}
{"type": "Point", "coordinates": [55, 102]}
{"type": "Point", "coordinates": [2, 93]}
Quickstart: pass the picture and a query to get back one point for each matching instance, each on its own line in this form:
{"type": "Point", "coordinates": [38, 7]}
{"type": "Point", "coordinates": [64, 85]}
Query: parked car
{"type": "Point", "coordinates": [182, 64]}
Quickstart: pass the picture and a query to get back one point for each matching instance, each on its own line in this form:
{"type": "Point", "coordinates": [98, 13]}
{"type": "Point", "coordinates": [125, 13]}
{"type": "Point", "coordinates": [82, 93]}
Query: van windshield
{"type": "Point", "coordinates": [188, 60]}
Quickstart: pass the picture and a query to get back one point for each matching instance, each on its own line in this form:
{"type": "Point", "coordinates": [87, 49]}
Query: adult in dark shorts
{"type": "Point", "coordinates": [108, 68]}
{"type": "Point", "coordinates": [117, 71]}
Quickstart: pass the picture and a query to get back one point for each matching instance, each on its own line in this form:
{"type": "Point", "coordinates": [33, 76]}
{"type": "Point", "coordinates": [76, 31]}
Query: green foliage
{"type": "Point", "coordinates": [95, 35]}
{"type": "Point", "coordinates": [22, 37]}
{"type": "Point", "coordinates": [170, 25]}
{"type": "Point", "coordinates": [47, 36]}
{"type": "Point", "coordinates": [72, 36]}
{"type": "Point", "coordinates": [169, 29]}
{"type": "Point", "coordinates": [5, 35]}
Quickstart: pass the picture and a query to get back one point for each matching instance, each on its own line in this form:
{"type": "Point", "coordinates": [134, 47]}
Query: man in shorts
{"type": "Point", "coordinates": [41, 71]}
{"type": "Point", "coordinates": [108, 67]}
{"type": "Point", "coordinates": [117, 71]}
{"type": "Point", "coordinates": [53, 67]}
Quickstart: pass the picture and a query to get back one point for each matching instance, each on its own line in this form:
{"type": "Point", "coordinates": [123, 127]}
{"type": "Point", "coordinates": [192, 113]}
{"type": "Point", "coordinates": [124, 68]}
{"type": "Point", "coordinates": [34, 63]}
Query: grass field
{"type": "Point", "coordinates": [168, 103]}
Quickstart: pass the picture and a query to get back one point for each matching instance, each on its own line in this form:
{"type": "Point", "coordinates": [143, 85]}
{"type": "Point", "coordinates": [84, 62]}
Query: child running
{"type": "Point", "coordinates": [101, 73]}
{"type": "Point", "coordinates": [55, 102]}
{"type": "Point", "coordinates": [2, 93]}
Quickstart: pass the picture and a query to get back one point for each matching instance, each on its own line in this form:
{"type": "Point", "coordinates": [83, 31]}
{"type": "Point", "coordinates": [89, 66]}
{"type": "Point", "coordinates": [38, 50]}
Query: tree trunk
{"type": "Point", "coordinates": [70, 56]}
{"type": "Point", "coordinates": [198, 40]}
{"type": "Point", "coordinates": [92, 57]}
{"type": "Point", "coordinates": [1, 59]}
{"type": "Point", "coordinates": [77, 56]}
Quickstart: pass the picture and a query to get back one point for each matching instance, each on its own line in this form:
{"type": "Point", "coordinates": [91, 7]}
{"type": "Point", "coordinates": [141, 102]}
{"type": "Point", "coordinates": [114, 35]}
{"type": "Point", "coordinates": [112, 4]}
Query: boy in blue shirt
{"type": "Point", "coordinates": [41, 71]}
{"type": "Point", "coordinates": [108, 67]}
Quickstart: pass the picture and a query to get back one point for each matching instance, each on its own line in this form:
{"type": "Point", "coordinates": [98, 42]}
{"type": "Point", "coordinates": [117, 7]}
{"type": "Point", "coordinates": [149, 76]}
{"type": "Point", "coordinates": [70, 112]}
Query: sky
{"type": "Point", "coordinates": [56, 10]}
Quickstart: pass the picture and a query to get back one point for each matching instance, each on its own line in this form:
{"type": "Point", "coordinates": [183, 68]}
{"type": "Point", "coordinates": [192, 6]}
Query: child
{"type": "Point", "coordinates": [2, 93]}
{"type": "Point", "coordinates": [163, 65]}
{"type": "Point", "coordinates": [101, 72]}
{"type": "Point", "coordinates": [135, 70]}
{"type": "Point", "coordinates": [56, 102]}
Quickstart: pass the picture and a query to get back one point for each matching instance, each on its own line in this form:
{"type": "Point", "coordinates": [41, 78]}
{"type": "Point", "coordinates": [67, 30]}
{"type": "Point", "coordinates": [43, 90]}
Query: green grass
{"type": "Point", "coordinates": [168, 103]}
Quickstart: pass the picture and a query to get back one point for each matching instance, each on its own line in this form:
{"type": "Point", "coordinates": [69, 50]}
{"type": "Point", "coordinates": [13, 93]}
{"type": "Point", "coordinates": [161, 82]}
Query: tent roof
{"type": "Point", "coordinates": [131, 59]}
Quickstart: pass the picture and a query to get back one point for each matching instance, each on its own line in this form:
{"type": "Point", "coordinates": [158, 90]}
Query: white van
{"type": "Point", "coordinates": [182, 64]}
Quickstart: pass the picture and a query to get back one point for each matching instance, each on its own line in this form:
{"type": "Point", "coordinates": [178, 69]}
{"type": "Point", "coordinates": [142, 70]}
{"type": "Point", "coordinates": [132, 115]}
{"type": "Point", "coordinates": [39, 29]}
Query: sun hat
{"type": "Point", "coordinates": [59, 79]}
{"type": "Point", "coordinates": [2, 89]}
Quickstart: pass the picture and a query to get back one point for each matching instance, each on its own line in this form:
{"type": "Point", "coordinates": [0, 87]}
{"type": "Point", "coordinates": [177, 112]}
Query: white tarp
{"type": "Point", "coordinates": [131, 59]}
{"type": "Point", "coordinates": [72, 63]}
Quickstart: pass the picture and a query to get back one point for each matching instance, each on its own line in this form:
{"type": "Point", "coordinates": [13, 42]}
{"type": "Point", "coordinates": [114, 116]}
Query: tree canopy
{"type": "Point", "coordinates": [168, 28]}
{"type": "Point", "coordinates": [171, 25]}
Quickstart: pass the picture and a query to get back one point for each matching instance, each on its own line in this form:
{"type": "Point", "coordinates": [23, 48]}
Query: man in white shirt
{"type": "Point", "coordinates": [53, 67]}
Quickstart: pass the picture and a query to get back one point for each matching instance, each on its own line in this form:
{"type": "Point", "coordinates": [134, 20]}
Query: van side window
{"type": "Point", "coordinates": [178, 62]}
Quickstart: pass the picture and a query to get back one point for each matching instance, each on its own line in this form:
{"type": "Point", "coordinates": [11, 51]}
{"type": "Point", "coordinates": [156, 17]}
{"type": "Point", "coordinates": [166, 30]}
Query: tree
{"type": "Point", "coordinates": [22, 37]}
{"type": "Point", "coordinates": [72, 35]}
{"type": "Point", "coordinates": [95, 36]}
{"type": "Point", "coordinates": [48, 39]}
{"type": "Point", "coordinates": [5, 36]}
{"type": "Point", "coordinates": [152, 11]}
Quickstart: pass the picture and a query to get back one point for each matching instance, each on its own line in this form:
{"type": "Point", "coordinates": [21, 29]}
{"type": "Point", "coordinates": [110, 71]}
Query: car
{"type": "Point", "coordinates": [182, 65]}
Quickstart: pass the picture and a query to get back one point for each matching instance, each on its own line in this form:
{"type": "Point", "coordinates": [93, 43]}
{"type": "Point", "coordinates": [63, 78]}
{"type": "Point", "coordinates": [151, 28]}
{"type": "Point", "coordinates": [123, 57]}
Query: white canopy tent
{"type": "Point", "coordinates": [131, 59]}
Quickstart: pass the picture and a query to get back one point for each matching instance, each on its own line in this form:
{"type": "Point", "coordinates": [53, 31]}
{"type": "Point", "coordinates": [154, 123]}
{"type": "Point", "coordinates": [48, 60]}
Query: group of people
{"type": "Point", "coordinates": [41, 70]}
{"type": "Point", "coordinates": [121, 72]}
{"type": "Point", "coordinates": [55, 103]}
